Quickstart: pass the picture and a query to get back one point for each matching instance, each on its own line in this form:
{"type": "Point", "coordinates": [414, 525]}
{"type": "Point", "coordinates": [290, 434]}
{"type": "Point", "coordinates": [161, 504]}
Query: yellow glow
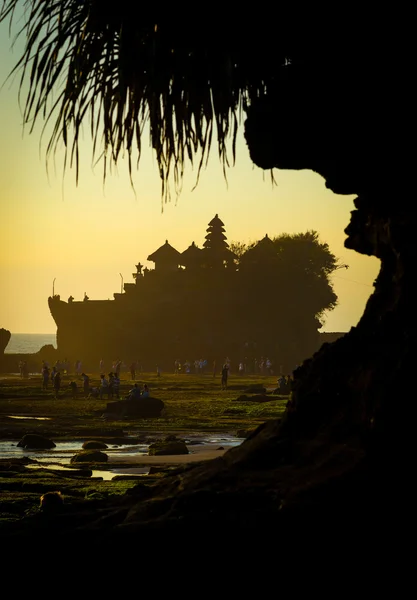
{"type": "Point", "coordinates": [85, 236]}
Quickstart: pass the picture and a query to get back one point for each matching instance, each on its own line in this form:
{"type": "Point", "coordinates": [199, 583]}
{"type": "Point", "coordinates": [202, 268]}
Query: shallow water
{"type": "Point", "coordinates": [60, 456]}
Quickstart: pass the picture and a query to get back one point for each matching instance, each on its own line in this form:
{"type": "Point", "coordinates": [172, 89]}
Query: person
{"type": "Point", "coordinates": [86, 384]}
{"type": "Point", "coordinates": [225, 374]}
{"type": "Point", "coordinates": [104, 386]}
{"type": "Point", "coordinates": [111, 384]}
{"type": "Point", "coordinates": [133, 371]}
{"type": "Point", "coordinates": [45, 377]}
{"type": "Point", "coordinates": [116, 385]}
{"type": "Point", "coordinates": [74, 389]}
{"type": "Point", "coordinates": [57, 383]}
{"type": "Point", "coordinates": [145, 392]}
{"type": "Point", "coordinates": [134, 393]}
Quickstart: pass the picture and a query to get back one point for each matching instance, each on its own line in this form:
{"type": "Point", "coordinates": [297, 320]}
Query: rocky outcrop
{"type": "Point", "coordinates": [5, 336]}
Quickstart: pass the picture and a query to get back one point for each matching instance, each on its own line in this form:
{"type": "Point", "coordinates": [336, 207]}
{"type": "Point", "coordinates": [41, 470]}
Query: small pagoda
{"type": "Point", "coordinates": [167, 259]}
{"type": "Point", "coordinates": [217, 253]}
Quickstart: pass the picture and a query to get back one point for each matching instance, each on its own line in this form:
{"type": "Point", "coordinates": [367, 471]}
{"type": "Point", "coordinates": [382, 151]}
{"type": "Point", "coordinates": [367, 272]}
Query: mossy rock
{"type": "Point", "coordinates": [33, 441]}
{"type": "Point", "coordinates": [166, 448]}
{"type": "Point", "coordinates": [94, 445]}
{"type": "Point", "coordinates": [89, 456]}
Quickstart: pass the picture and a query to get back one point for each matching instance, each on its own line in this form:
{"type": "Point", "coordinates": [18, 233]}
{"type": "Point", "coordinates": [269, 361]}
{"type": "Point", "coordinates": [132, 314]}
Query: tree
{"type": "Point", "coordinates": [320, 92]}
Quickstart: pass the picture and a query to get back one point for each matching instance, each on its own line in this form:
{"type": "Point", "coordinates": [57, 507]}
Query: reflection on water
{"type": "Point", "coordinates": [95, 473]}
{"type": "Point", "coordinates": [60, 456]}
{"type": "Point", "coordinates": [33, 418]}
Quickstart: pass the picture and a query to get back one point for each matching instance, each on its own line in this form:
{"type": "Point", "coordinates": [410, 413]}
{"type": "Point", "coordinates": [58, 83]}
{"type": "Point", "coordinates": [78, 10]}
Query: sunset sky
{"type": "Point", "coordinates": [89, 238]}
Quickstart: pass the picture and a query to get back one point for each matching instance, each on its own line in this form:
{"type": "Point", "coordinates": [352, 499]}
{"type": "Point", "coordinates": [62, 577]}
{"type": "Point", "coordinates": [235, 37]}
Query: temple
{"type": "Point", "coordinates": [192, 304]}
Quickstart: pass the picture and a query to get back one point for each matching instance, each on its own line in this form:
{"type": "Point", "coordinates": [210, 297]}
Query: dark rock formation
{"type": "Point", "coordinates": [33, 441]}
{"type": "Point", "coordinates": [51, 502]}
{"type": "Point", "coordinates": [94, 445]}
{"type": "Point", "coordinates": [89, 456]}
{"type": "Point", "coordinates": [5, 336]}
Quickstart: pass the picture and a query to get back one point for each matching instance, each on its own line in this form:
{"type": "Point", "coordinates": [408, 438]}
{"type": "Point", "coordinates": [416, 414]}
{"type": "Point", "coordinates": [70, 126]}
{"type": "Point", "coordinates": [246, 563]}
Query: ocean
{"type": "Point", "coordinates": [28, 343]}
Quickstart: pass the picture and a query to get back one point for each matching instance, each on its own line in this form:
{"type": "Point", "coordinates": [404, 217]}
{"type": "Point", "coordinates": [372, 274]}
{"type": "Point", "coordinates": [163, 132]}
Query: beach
{"type": "Point", "coordinates": [200, 452]}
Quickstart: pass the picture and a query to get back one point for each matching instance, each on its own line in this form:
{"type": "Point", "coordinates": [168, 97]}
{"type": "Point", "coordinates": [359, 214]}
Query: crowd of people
{"type": "Point", "coordinates": [108, 386]}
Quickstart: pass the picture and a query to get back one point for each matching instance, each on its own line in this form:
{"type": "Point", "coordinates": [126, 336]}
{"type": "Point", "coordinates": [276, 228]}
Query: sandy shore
{"type": "Point", "coordinates": [197, 453]}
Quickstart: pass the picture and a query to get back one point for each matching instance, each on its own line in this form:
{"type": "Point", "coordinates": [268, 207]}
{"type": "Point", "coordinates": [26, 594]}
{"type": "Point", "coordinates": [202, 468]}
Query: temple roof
{"type": "Point", "coordinates": [192, 251]}
{"type": "Point", "coordinates": [216, 221]}
{"type": "Point", "coordinates": [165, 253]}
{"type": "Point", "coordinates": [265, 247]}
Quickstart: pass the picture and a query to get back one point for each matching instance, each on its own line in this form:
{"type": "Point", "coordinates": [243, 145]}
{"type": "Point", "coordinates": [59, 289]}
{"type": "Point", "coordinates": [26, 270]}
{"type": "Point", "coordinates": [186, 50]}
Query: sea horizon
{"type": "Point", "coordinates": [29, 343]}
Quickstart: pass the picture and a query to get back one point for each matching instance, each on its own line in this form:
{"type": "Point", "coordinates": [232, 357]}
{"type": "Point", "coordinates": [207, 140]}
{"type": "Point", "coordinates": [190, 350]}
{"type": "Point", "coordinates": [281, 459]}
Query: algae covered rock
{"type": "Point", "coordinates": [89, 456]}
{"type": "Point", "coordinates": [168, 446]}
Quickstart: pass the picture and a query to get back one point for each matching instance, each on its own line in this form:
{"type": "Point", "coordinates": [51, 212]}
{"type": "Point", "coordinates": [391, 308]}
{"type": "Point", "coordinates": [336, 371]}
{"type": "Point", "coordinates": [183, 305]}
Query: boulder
{"type": "Point", "coordinates": [144, 408]}
{"type": "Point", "coordinates": [89, 456]}
{"type": "Point", "coordinates": [169, 446]}
{"type": "Point", "coordinates": [94, 445]}
{"type": "Point", "coordinates": [51, 502]}
{"type": "Point", "coordinates": [34, 441]}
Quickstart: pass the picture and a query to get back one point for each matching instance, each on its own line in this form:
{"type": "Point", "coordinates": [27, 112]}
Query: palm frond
{"type": "Point", "coordinates": [123, 70]}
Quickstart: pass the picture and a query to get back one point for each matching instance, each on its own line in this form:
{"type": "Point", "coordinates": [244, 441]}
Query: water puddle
{"type": "Point", "coordinates": [96, 473]}
{"type": "Point", "coordinates": [33, 418]}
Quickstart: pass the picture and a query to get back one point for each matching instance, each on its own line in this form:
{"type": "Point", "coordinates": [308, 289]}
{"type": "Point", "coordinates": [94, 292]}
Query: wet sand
{"type": "Point", "coordinates": [197, 453]}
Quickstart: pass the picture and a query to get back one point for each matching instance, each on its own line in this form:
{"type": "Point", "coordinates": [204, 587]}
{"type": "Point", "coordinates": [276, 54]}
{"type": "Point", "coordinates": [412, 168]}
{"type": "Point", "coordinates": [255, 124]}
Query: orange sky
{"type": "Point", "coordinates": [89, 238]}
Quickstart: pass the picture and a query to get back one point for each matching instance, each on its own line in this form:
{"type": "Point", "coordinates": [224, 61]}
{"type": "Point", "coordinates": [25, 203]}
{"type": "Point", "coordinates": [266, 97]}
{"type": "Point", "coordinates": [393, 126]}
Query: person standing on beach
{"type": "Point", "coordinates": [57, 383]}
{"type": "Point", "coordinates": [104, 387]}
{"type": "Point", "coordinates": [133, 371]}
{"type": "Point", "coordinates": [45, 377]}
{"type": "Point", "coordinates": [86, 384]}
{"type": "Point", "coordinates": [225, 374]}
{"type": "Point", "coordinates": [74, 389]}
